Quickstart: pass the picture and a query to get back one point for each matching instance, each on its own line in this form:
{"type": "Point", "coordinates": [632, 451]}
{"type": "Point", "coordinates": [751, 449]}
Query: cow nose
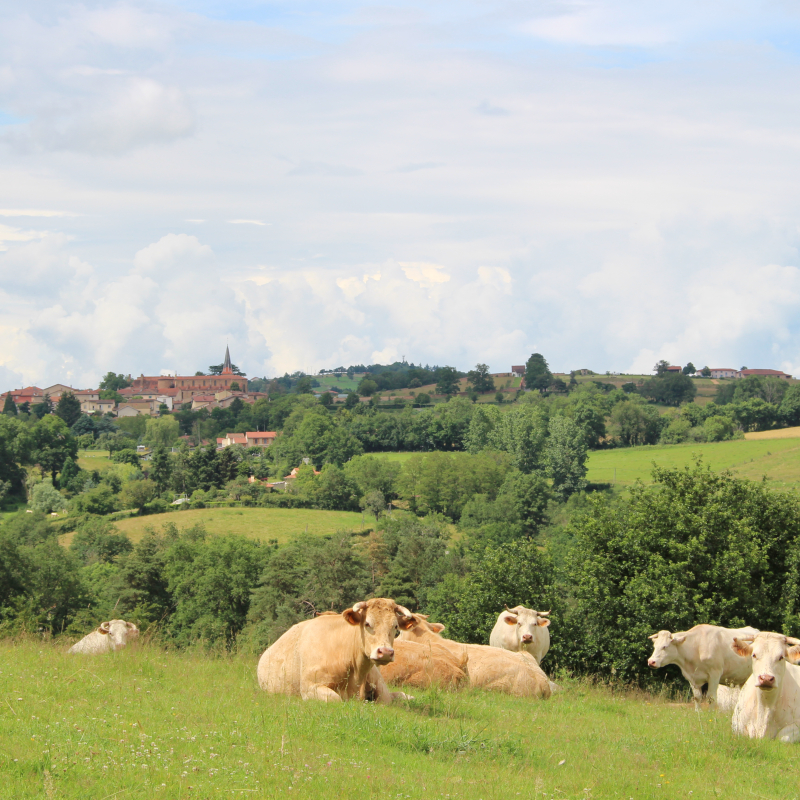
{"type": "Point", "coordinates": [766, 680]}
{"type": "Point", "coordinates": [651, 663]}
{"type": "Point", "coordinates": [385, 652]}
{"type": "Point", "coordinates": [526, 637]}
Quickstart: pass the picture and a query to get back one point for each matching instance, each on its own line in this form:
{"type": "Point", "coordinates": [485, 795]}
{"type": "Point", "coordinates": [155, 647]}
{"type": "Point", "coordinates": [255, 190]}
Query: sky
{"type": "Point", "coordinates": [316, 184]}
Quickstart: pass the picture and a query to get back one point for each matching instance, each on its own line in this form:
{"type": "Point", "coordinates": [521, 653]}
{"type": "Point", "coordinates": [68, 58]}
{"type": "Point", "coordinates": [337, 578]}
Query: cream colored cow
{"type": "Point", "coordinates": [769, 703]}
{"type": "Point", "coordinates": [425, 664]}
{"type": "Point", "coordinates": [488, 667]}
{"type": "Point", "coordinates": [521, 629]}
{"type": "Point", "coordinates": [111, 635]}
{"type": "Point", "coordinates": [330, 657]}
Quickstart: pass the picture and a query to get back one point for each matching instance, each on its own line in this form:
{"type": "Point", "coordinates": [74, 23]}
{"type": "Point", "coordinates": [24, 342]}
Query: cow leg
{"type": "Point", "coordinates": [791, 733]}
{"type": "Point", "coordinates": [317, 691]}
{"type": "Point", "coordinates": [380, 691]}
{"type": "Point", "coordinates": [697, 693]}
{"type": "Point", "coordinates": [713, 685]}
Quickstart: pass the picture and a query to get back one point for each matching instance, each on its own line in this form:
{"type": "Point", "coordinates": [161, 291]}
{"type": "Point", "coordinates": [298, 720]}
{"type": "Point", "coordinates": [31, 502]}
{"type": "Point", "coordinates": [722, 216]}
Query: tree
{"type": "Point", "coordinates": [367, 387]}
{"type": "Point", "coordinates": [372, 473]}
{"type": "Point", "coordinates": [790, 406]}
{"type": "Point", "coordinates": [46, 498]}
{"type": "Point", "coordinates": [326, 399]}
{"type": "Point", "coordinates": [41, 410]}
{"type": "Point", "coordinates": [304, 386]}
{"type": "Point", "coordinates": [83, 426]}
{"type": "Point", "coordinates": [352, 400]}
{"type": "Point", "coordinates": [161, 431]}
{"type": "Point", "coordinates": [9, 406]}
{"type": "Point", "coordinates": [52, 444]}
{"type": "Point", "coordinates": [706, 372]}
{"type": "Point", "coordinates": [68, 408]}
{"type": "Point", "coordinates": [671, 388]}
{"type": "Point", "coordinates": [234, 387]}
{"type": "Point", "coordinates": [217, 370]}
{"type": "Point", "coordinates": [160, 468]}
{"type": "Point", "coordinates": [374, 502]}
{"type": "Point", "coordinates": [113, 383]}
{"type": "Point", "coordinates": [98, 500]}
{"type": "Point", "coordinates": [661, 367]}
{"type": "Point", "coordinates": [15, 451]}
{"type": "Point", "coordinates": [137, 494]}
{"type": "Point", "coordinates": [537, 373]}
{"type": "Point", "coordinates": [565, 455]}
{"type": "Point", "coordinates": [423, 399]}
{"type": "Point", "coordinates": [447, 381]}
{"type": "Point", "coordinates": [69, 471]}
{"type": "Point", "coordinates": [480, 378]}
{"type": "Point", "coordinates": [689, 369]}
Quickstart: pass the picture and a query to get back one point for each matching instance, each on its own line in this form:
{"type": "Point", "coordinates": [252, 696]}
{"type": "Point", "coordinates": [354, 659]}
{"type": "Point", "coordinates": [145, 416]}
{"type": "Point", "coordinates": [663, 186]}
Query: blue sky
{"type": "Point", "coordinates": [324, 183]}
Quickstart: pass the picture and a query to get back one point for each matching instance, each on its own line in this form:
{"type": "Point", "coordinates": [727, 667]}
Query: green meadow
{"type": "Point", "coordinates": [776, 459]}
{"type": "Point", "coordinates": [255, 523]}
{"type": "Point", "coordinates": [147, 723]}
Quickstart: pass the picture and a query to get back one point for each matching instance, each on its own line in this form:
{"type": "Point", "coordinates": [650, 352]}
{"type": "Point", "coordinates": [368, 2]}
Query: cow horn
{"type": "Point", "coordinates": [791, 640]}
{"type": "Point", "coordinates": [514, 610]}
{"type": "Point", "coordinates": [402, 610]}
{"type": "Point", "coordinates": [543, 613]}
{"type": "Point", "coordinates": [359, 605]}
{"type": "Point", "coordinates": [751, 637]}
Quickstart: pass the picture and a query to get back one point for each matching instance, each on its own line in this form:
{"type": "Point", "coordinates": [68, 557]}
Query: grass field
{"type": "Point", "coordinates": [255, 523]}
{"type": "Point", "coordinates": [782, 433]}
{"type": "Point", "coordinates": [342, 381]}
{"type": "Point", "coordinates": [778, 459]}
{"type": "Point", "coordinates": [94, 459]}
{"type": "Point", "coordinates": [145, 723]}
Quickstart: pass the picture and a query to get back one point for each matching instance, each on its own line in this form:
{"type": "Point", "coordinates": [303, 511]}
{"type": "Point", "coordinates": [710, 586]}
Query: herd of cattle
{"type": "Point", "coordinates": [359, 652]}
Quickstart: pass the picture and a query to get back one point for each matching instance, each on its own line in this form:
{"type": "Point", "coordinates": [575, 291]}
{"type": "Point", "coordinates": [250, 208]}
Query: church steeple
{"type": "Point", "coordinates": [226, 366]}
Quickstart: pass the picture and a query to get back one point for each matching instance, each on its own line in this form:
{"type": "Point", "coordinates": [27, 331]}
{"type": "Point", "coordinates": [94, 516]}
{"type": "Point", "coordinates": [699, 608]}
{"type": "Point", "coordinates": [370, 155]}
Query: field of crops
{"type": "Point", "coordinates": [777, 459]}
{"type": "Point", "coordinates": [148, 723]}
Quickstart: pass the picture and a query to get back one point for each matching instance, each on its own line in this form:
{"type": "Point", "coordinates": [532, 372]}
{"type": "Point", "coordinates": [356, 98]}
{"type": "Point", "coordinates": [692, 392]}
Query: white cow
{"type": "Point", "coordinates": [769, 703]}
{"type": "Point", "coordinates": [704, 655]}
{"type": "Point", "coordinates": [111, 635]}
{"type": "Point", "coordinates": [521, 629]}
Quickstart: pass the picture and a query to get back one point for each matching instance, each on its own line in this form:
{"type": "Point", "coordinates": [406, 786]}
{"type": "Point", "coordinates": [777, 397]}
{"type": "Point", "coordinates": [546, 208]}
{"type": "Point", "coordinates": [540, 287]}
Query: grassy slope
{"type": "Point", "coordinates": [778, 459]}
{"type": "Point", "coordinates": [145, 723]}
{"type": "Point", "coordinates": [94, 459]}
{"type": "Point", "coordinates": [342, 381]}
{"type": "Point", "coordinates": [256, 523]}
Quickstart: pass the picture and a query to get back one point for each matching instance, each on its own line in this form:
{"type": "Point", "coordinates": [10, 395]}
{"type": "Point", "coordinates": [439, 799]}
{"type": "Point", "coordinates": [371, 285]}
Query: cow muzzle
{"type": "Point", "coordinates": [383, 655]}
{"type": "Point", "coordinates": [527, 638]}
{"type": "Point", "coordinates": [765, 681]}
{"type": "Point", "coordinates": [651, 662]}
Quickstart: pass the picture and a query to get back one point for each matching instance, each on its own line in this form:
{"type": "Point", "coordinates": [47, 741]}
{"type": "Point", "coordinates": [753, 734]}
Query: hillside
{"type": "Point", "coordinates": [149, 723]}
{"type": "Point", "coordinates": [778, 459]}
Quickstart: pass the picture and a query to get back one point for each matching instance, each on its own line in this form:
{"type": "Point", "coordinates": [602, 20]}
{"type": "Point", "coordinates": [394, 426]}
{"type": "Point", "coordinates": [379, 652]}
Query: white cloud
{"type": "Point", "coordinates": [247, 222]}
{"type": "Point", "coordinates": [426, 275]}
{"type": "Point", "coordinates": [34, 212]}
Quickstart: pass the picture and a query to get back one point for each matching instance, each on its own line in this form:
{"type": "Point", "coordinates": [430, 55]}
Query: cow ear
{"type": "Point", "coordinates": [356, 614]}
{"type": "Point", "coordinates": [742, 648]}
{"type": "Point", "coordinates": [406, 623]}
{"type": "Point", "coordinates": [793, 653]}
{"type": "Point", "coordinates": [509, 620]}
{"type": "Point", "coordinates": [543, 622]}
{"type": "Point", "coordinates": [436, 627]}
{"type": "Point", "coordinates": [678, 638]}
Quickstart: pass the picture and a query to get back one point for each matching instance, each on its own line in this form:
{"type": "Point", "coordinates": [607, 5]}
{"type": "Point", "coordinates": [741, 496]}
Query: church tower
{"type": "Point", "coordinates": [226, 366]}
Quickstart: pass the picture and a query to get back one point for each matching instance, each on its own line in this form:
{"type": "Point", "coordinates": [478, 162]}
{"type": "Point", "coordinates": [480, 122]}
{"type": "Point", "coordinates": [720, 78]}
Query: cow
{"type": "Point", "coordinates": [769, 703]}
{"type": "Point", "coordinates": [704, 656]}
{"type": "Point", "coordinates": [111, 635]}
{"type": "Point", "coordinates": [521, 629]}
{"type": "Point", "coordinates": [424, 664]}
{"type": "Point", "coordinates": [330, 657]}
{"type": "Point", "coordinates": [487, 667]}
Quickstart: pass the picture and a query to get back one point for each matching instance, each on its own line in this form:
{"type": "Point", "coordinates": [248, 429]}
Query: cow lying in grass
{"type": "Point", "coordinates": [769, 703]}
{"type": "Point", "coordinates": [426, 664]}
{"type": "Point", "coordinates": [488, 667]}
{"type": "Point", "coordinates": [111, 635]}
{"type": "Point", "coordinates": [704, 656]}
{"type": "Point", "coordinates": [330, 657]}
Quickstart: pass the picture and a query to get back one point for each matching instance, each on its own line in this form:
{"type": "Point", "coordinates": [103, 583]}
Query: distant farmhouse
{"type": "Point", "coordinates": [726, 372]}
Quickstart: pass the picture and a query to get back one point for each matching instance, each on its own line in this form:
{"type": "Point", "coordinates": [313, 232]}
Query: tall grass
{"type": "Point", "coordinates": [149, 723]}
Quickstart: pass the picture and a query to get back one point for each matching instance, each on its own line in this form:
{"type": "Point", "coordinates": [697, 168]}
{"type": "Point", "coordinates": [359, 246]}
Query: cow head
{"type": "Point", "coordinates": [525, 621]}
{"type": "Point", "coordinates": [769, 653]}
{"type": "Point", "coordinates": [420, 629]}
{"type": "Point", "coordinates": [380, 621]}
{"type": "Point", "coordinates": [119, 632]}
{"type": "Point", "coordinates": [665, 648]}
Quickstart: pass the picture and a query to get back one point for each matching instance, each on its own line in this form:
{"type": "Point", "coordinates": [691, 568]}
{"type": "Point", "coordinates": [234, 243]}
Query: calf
{"type": "Point", "coordinates": [704, 656]}
{"type": "Point", "coordinates": [488, 667]}
{"type": "Point", "coordinates": [521, 629]}
{"type": "Point", "coordinates": [330, 657]}
{"type": "Point", "coordinates": [111, 635]}
{"type": "Point", "coordinates": [769, 703]}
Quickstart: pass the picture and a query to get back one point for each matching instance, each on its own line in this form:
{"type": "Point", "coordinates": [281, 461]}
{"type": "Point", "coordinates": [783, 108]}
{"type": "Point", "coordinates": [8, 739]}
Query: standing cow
{"type": "Point", "coordinates": [769, 703]}
{"type": "Point", "coordinates": [330, 657]}
{"type": "Point", "coordinates": [521, 629]}
{"type": "Point", "coordinates": [111, 635]}
{"type": "Point", "coordinates": [704, 656]}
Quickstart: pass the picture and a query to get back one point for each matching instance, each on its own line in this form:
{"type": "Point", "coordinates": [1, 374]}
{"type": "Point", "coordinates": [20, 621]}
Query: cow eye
{"type": "Point", "coordinates": [367, 625]}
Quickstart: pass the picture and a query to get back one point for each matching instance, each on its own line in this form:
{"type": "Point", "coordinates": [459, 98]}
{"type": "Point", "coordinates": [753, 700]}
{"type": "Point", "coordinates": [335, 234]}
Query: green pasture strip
{"type": "Point", "coordinates": [345, 383]}
{"type": "Point", "coordinates": [94, 459]}
{"type": "Point", "coordinates": [255, 523]}
{"type": "Point", "coordinates": [778, 459]}
{"type": "Point", "coordinates": [145, 723]}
